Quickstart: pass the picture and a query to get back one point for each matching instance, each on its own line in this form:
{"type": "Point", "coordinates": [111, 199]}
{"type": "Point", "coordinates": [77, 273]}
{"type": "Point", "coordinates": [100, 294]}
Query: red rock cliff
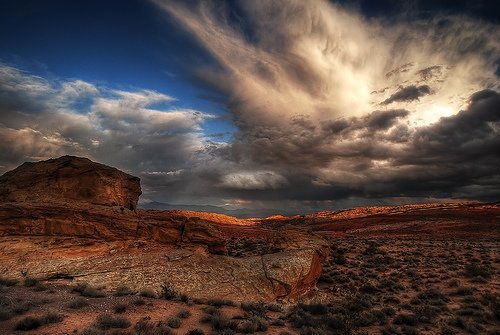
{"type": "Point", "coordinates": [70, 179]}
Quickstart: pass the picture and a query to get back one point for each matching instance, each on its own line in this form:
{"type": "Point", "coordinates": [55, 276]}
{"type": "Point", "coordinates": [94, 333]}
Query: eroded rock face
{"type": "Point", "coordinates": [72, 180]}
{"type": "Point", "coordinates": [69, 219]}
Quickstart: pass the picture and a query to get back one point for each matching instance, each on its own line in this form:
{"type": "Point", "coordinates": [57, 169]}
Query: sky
{"type": "Point", "coordinates": [290, 105]}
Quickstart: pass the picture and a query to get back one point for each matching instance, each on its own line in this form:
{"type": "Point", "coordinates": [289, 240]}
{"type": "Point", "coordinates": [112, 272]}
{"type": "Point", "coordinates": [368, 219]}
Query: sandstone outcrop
{"type": "Point", "coordinates": [69, 219]}
{"type": "Point", "coordinates": [70, 179]}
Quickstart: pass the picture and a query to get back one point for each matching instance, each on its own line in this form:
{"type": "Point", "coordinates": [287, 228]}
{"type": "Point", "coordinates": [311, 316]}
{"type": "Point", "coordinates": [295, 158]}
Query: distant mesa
{"type": "Point", "coordinates": [70, 179]}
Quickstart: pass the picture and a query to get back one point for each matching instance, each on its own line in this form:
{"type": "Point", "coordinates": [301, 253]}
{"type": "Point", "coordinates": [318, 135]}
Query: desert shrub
{"type": "Point", "coordinates": [256, 308]}
{"type": "Point", "coordinates": [39, 287]}
{"type": "Point", "coordinates": [466, 324]}
{"type": "Point", "coordinates": [139, 302]}
{"type": "Point", "coordinates": [52, 317]}
{"type": "Point", "coordinates": [461, 290]}
{"type": "Point", "coordinates": [365, 319]}
{"type": "Point", "coordinates": [473, 270]}
{"type": "Point", "coordinates": [108, 321]}
{"type": "Point", "coordinates": [86, 290]}
{"type": "Point", "coordinates": [252, 325]}
{"type": "Point", "coordinates": [8, 281]}
{"type": "Point", "coordinates": [174, 322]}
{"type": "Point", "coordinates": [168, 292]}
{"type": "Point", "coordinates": [220, 302]}
{"type": "Point", "coordinates": [408, 330]}
{"type": "Point", "coordinates": [314, 309]}
{"type": "Point", "coordinates": [427, 313]}
{"type": "Point", "coordinates": [184, 313]}
{"type": "Point", "coordinates": [448, 331]}
{"type": "Point", "coordinates": [390, 330]}
{"type": "Point", "coordinates": [195, 331]}
{"type": "Point", "coordinates": [148, 293]}
{"type": "Point", "coordinates": [369, 288]}
{"type": "Point", "coordinates": [433, 294]}
{"type": "Point", "coordinates": [146, 327]}
{"type": "Point", "coordinates": [184, 297]}
{"type": "Point", "coordinates": [120, 308]}
{"type": "Point", "coordinates": [406, 319]}
{"type": "Point", "coordinates": [339, 258]}
{"type": "Point", "coordinates": [5, 313]}
{"type": "Point", "coordinates": [123, 290]}
{"type": "Point", "coordinates": [217, 320]}
{"type": "Point", "coordinates": [312, 331]}
{"type": "Point", "coordinates": [28, 323]}
{"type": "Point", "coordinates": [30, 282]}
{"type": "Point", "coordinates": [277, 323]}
{"type": "Point", "coordinates": [78, 303]}
{"type": "Point", "coordinates": [22, 307]}
{"type": "Point", "coordinates": [389, 311]}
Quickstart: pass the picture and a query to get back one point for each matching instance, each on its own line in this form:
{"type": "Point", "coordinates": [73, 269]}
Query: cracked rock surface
{"type": "Point", "coordinates": [98, 239]}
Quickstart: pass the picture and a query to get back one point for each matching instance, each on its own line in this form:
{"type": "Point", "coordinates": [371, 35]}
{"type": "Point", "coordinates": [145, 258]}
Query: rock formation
{"type": "Point", "coordinates": [68, 219]}
{"type": "Point", "coordinates": [71, 180]}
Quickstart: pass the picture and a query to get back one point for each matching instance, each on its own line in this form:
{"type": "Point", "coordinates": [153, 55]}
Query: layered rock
{"type": "Point", "coordinates": [69, 219]}
{"type": "Point", "coordinates": [70, 179]}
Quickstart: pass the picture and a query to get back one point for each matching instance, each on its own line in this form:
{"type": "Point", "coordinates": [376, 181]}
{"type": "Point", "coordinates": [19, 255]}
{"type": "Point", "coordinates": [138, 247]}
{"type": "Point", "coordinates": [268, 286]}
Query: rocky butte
{"type": "Point", "coordinates": [72, 220]}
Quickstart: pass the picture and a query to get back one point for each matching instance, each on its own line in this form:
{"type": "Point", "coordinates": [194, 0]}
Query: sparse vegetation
{"type": "Point", "coordinates": [120, 308]}
{"type": "Point", "coordinates": [78, 303]}
{"type": "Point", "coordinates": [174, 322]}
{"type": "Point", "coordinates": [168, 292]}
{"type": "Point", "coordinates": [86, 290]}
{"type": "Point", "coordinates": [108, 321]}
{"type": "Point", "coordinates": [123, 290]}
{"type": "Point", "coordinates": [28, 323]}
{"type": "Point", "coordinates": [8, 281]}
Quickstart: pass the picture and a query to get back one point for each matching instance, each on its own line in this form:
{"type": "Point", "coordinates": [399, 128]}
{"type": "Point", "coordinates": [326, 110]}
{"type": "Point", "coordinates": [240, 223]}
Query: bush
{"type": "Point", "coordinates": [139, 302]}
{"type": "Point", "coordinates": [256, 308]}
{"type": "Point", "coordinates": [195, 331]}
{"type": "Point", "coordinates": [184, 314]}
{"type": "Point", "coordinates": [146, 327]}
{"type": "Point", "coordinates": [8, 281]}
{"type": "Point", "coordinates": [220, 302]}
{"type": "Point", "coordinates": [88, 291]}
{"type": "Point", "coordinates": [52, 317]}
{"type": "Point", "coordinates": [174, 322]}
{"type": "Point", "coordinates": [5, 313]}
{"type": "Point", "coordinates": [314, 309]}
{"type": "Point", "coordinates": [168, 292]}
{"type": "Point", "coordinates": [28, 323]}
{"type": "Point", "coordinates": [474, 270]}
{"type": "Point", "coordinates": [148, 293]}
{"type": "Point", "coordinates": [120, 308]}
{"type": "Point", "coordinates": [108, 321]}
{"type": "Point", "coordinates": [123, 290]}
{"type": "Point", "coordinates": [406, 319]}
{"type": "Point", "coordinates": [78, 303]}
{"type": "Point", "coordinates": [30, 282]}
{"type": "Point", "coordinates": [252, 325]}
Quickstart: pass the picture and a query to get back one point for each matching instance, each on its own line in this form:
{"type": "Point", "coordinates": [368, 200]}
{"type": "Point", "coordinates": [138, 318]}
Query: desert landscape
{"type": "Point", "coordinates": [78, 257]}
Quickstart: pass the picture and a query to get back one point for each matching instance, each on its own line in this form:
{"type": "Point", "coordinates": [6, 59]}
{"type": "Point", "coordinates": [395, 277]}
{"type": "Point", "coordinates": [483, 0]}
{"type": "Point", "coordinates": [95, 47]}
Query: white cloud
{"type": "Point", "coordinates": [253, 180]}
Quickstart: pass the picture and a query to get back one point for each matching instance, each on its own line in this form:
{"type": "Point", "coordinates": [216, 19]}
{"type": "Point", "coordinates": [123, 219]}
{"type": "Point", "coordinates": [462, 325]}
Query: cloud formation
{"type": "Point", "coordinates": [40, 119]}
{"type": "Point", "coordinates": [330, 108]}
{"type": "Point", "coordinates": [348, 107]}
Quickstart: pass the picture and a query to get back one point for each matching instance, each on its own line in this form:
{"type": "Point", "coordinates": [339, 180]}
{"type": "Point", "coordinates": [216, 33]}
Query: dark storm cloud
{"type": "Point", "coordinates": [408, 93]}
{"type": "Point", "coordinates": [302, 82]}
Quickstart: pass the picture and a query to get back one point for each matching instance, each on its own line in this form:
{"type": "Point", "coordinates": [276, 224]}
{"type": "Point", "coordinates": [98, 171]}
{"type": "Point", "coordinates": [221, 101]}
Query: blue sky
{"type": "Point", "coordinates": [120, 44]}
{"type": "Point", "coordinates": [292, 105]}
